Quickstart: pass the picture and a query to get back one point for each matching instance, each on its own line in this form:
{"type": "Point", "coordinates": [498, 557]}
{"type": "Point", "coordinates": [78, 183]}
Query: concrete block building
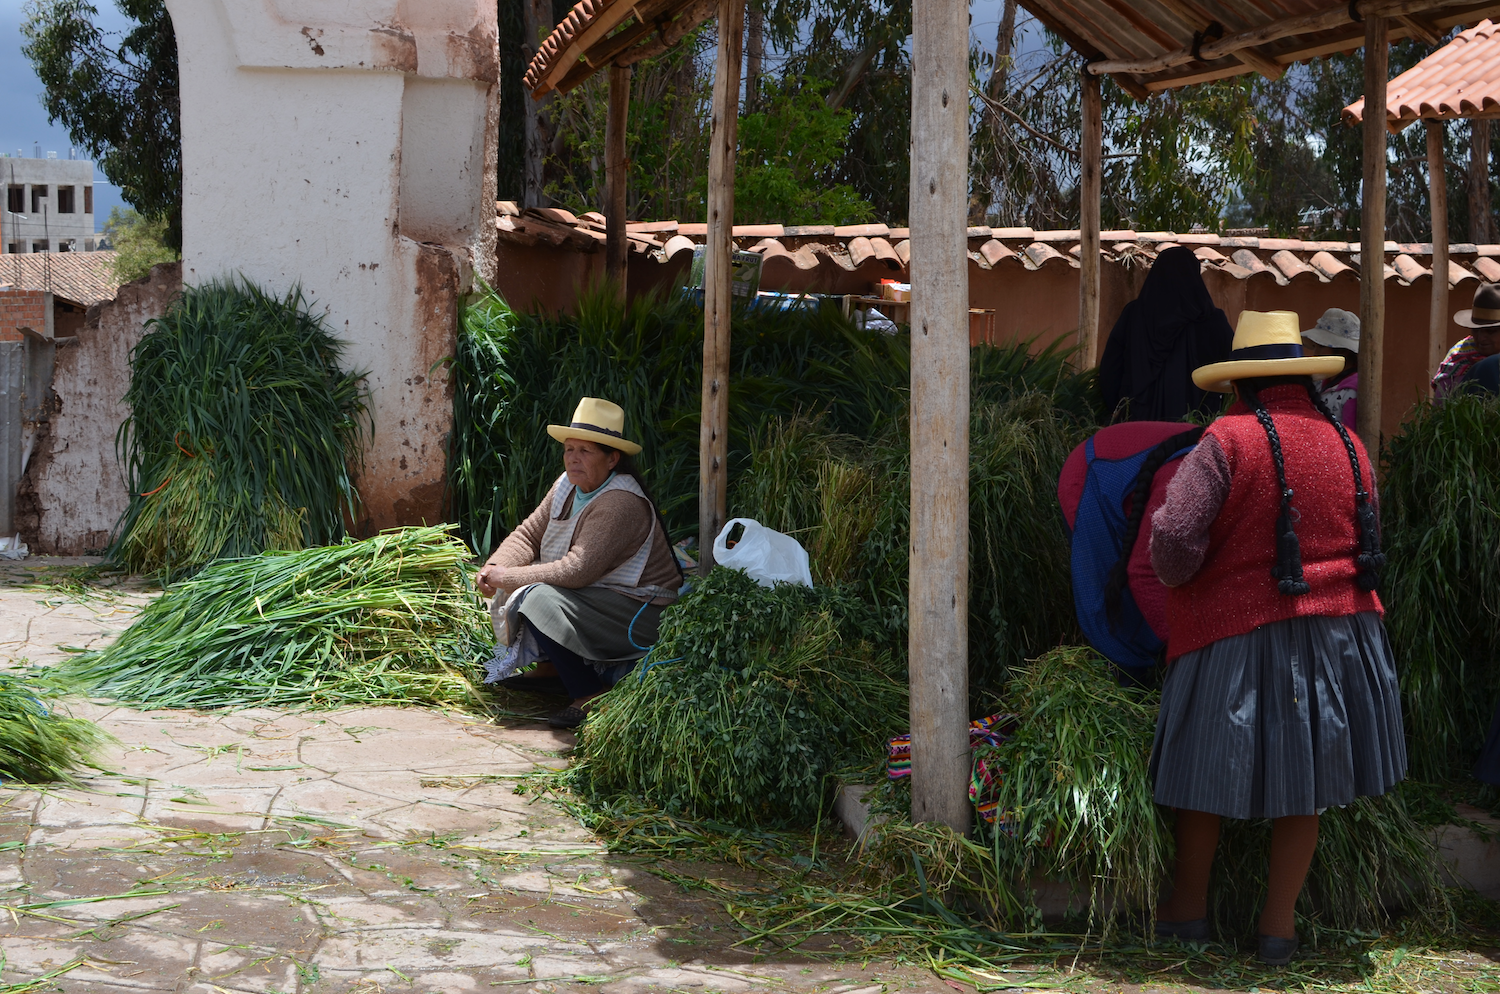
{"type": "Point", "coordinates": [49, 205]}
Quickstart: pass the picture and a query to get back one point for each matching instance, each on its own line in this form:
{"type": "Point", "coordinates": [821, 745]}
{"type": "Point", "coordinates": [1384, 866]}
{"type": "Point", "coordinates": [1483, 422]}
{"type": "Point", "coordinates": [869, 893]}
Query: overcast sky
{"type": "Point", "coordinates": [23, 120]}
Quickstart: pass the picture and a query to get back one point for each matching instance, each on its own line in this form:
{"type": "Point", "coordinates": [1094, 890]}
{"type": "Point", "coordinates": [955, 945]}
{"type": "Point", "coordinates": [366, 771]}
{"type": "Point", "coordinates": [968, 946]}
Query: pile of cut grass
{"type": "Point", "coordinates": [750, 699]}
{"type": "Point", "coordinates": [39, 745]}
{"type": "Point", "coordinates": [1440, 507]}
{"type": "Point", "coordinates": [241, 432]}
{"type": "Point", "coordinates": [393, 619]}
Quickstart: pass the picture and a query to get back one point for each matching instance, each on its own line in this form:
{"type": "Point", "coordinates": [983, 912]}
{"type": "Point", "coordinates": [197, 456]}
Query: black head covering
{"type": "Point", "coordinates": [1162, 335]}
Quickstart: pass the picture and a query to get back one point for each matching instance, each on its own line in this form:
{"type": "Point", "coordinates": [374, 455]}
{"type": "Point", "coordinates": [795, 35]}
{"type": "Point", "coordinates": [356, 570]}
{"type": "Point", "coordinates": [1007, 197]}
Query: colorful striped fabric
{"type": "Point", "coordinates": [990, 731]}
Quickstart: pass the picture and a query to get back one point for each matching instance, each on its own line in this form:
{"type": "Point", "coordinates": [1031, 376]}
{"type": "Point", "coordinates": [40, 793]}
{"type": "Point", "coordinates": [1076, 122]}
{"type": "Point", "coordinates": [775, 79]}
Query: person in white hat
{"type": "Point", "coordinates": [1337, 334]}
{"type": "Point", "coordinates": [581, 583]}
{"type": "Point", "coordinates": [1280, 697]}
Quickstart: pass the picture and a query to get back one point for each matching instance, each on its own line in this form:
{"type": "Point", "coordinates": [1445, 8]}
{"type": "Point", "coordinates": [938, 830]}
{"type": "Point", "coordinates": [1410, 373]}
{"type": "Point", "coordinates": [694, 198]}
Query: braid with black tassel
{"type": "Point", "coordinates": [1288, 568]}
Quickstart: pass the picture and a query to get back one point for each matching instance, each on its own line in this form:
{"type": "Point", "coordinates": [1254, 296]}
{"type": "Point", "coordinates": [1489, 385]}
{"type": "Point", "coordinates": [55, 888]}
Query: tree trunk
{"type": "Point", "coordinates": [537, 20]}
{"type": "Point", "coordinates": [1372, 237]}
{"type": "Point", "coordinates": [1091, 158]}
{"type": "Point", "coordinates": [616, 178]}
{"type": "Point", "coordinates": [755, 53]}
{"type": "Point", "coordinates": [1004, 44]}
{"type": "Point", "coordinates": [1481, 223]}
{"type": "Point", "coordinates": [1437, 195]}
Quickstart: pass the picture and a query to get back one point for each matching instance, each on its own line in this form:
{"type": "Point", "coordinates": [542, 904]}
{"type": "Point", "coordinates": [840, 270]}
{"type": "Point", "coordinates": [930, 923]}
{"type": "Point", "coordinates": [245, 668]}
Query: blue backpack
{"type": "Point", "coordinates": [1103, 538]}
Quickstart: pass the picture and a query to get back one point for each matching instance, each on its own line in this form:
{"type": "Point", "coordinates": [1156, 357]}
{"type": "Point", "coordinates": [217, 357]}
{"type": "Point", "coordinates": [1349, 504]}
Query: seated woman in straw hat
{"type": "Point", "coordinates": [583, 580]}
{"type": "Point", "coordinates": [1280, 697]}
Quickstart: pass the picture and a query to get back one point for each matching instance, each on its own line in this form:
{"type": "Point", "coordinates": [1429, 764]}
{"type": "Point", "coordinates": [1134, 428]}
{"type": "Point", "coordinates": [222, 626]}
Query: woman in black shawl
{"type": "Point", "coordinates": [1170, 330]}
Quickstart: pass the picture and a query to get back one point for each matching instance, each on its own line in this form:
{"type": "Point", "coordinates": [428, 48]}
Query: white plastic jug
{"type": "Point", "coordinates": [767, 555]}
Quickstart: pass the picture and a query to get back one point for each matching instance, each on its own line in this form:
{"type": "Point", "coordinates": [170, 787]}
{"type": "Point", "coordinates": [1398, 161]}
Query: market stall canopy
{"type": "Point", "coordinates": [601, 33]}
{"type": "Point", "coordinates": [1459, 80]}
{"type": "Point", "coordinates": [1150, 45]}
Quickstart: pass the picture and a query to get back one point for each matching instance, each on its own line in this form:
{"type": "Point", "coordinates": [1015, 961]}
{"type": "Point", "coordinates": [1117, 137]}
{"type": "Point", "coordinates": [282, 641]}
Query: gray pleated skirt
{"type": "Point", "coordinates": [1289, 719]}
{"type": "Point", "coordinates": [600, 625]}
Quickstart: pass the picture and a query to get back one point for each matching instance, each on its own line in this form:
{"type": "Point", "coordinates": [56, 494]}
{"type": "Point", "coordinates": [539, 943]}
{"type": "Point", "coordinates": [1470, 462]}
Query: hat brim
{"type": "Point", "coordinates": [1218, 377]}
{"type": "Point", "coordinates": [564, 432]}
{"type": "Point", "coordinates": [1465, 318]}
{"type": "Point", "coordinates": [1329, 340]}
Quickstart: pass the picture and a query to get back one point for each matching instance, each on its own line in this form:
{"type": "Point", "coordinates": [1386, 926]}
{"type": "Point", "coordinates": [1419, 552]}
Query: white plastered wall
{"type": "Point", "coordinates": [349, 146]}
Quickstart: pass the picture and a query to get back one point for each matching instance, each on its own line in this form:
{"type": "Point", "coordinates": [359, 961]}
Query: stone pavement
{"type": "Point", "coordinates": [366, 850]}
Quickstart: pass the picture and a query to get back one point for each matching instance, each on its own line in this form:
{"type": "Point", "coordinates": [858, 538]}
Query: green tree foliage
{"type": "Point", "coordinates": [139, 243]}
{"type": "Point", "coordinates": [787, 157]}
{"type": "Point", "coordinates": [116, 96]}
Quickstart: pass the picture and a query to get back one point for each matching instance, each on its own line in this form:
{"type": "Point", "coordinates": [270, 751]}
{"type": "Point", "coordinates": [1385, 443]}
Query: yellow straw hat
{"type": "Point", "coordinates": [597, 421]}
{"type": "Point", "coordinates": [1266, 343]}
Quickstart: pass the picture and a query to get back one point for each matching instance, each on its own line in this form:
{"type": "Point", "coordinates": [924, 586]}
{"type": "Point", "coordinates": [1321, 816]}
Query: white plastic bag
{"type": "Point", "coordinates": [13, 548]}
{"type": "Point", "coordinates": [765, 554]}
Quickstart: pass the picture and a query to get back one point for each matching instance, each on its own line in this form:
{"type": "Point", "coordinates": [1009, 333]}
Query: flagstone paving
{"type": "Point", "coordinates": [365, 850]}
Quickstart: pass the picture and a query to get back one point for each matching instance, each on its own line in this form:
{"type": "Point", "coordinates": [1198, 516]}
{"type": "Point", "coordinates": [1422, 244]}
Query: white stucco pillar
{"type": "Point", "coordinates": [349, 146]}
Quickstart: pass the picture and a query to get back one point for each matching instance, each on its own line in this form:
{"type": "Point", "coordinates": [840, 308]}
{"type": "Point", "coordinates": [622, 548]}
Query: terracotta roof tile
{"type": "Point", "coordinates": [1461, 79]}
{"type": "Point", "coordinates": [82, 277]}
{"type": "Point", "coordinates": [850, 247]}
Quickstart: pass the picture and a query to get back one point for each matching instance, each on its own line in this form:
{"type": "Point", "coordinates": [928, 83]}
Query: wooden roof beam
{"type": "Point", "coordinates": [1231, 45]}
{"type": "Point", "coordinates": [1421, 28]}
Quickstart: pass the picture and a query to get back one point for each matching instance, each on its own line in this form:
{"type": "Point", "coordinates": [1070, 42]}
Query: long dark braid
{"type": "Point", "coordinates": [1288, 568]}
{"type": "Point", "coordinates": [1119, 574]}
{"type": "Point", "coordinates": [1370, 560]}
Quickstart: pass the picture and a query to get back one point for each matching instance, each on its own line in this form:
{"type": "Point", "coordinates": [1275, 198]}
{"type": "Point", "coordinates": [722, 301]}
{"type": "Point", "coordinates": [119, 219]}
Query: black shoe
{"type": "Point", "coordinates": [1191, 931]}
{"type": "Point", "coordinates": [569, 717]}
{"type": "Point", "coordinates": [549, 685]}
{"type": "Point", "coordinates": [1276, 951]}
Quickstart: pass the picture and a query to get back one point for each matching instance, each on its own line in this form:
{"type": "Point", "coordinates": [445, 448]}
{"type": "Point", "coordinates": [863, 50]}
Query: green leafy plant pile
{"type": "Point", "coordinates": [38, 744]}
{"type": "Point", "coordinates": [241, 432]}
{"type": "Point", "coordinates": [392, 619]}
{"type": "Point", "coordinates": [1440, 507]}
{"type": "Point", "coordinates": [750, 699]}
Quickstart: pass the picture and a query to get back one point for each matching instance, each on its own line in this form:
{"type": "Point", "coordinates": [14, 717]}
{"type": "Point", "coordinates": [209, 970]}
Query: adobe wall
{"type": "Point", "coordinates": [350, 148]}
{"type": "Point", "coordinates": [73, 489]}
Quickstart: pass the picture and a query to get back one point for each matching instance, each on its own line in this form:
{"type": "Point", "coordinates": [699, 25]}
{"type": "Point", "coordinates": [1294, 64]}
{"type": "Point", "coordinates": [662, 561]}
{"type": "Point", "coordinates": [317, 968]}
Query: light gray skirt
{"type": "Point", "coordinates": [1289, 719]}
{"type": "Point", "coordinates": [601, 625]}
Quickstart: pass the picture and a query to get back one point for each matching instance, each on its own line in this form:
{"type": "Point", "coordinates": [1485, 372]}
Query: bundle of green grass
{"type": "Point", "coordinates": [393, 619]}
{"type": "Point", "coordinates": [1440, 506]}
{"type": "Point", "coordinates": [39, 744]}
{"type": "Point", "coordinates": [751, 698]}
{"type": "Point", "coordinates": [241, 431]}
{"type": "Point", "coordinates": [1074, 795]}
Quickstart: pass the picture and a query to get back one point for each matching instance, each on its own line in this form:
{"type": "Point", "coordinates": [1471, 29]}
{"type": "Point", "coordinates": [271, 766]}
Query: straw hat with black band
{"type": "Point", "coordinates": [1485, 314]}
{"type": "Point", "coordinates": [597, 421]}
{"type": "Point", "coordinates": [1266, 343]}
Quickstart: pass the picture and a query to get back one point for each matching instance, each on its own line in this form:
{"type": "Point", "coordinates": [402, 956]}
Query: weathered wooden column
{"type": "Point", "coordinates": [1437, 194]}
{"type": "Point", "coordinates": [1372, 238]}
{"type": "Point", "coordinates": [713, 432]}
{"type": "Point", "coordinates": [1090, 158]}
{"type": "Point", "coordinates": [939, 595]}
{"type": "Point", "coordinates": [616, 177]}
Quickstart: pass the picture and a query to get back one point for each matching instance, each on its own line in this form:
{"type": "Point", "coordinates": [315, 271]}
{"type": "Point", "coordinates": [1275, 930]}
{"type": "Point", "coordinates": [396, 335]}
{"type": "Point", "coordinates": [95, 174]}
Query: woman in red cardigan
{"type": "Point", "coordinates": [1280, 700]}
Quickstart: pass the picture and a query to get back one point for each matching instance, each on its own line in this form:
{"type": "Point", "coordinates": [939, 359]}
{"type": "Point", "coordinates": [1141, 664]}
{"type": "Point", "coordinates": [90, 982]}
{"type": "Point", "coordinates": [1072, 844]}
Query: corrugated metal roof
{"type": "Point", "coordinates": [82, 277]}
{"type": "Point", "coordinates": [809, 247]}
{"type": "Point", "coordinates": [1193, 41]}
{"type": "Point", "coordinates": [1461, 79]}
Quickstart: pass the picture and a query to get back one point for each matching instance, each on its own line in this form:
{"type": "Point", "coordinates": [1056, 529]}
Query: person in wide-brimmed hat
{"type": "Point", "coordinates": [1280, 697]}
{"type": "Point", "coordinates": [581, 583]}
{"type": "Point", "coordinates": [1473, 360]}
{"type": "Point", "coordinates": [1337, 333]}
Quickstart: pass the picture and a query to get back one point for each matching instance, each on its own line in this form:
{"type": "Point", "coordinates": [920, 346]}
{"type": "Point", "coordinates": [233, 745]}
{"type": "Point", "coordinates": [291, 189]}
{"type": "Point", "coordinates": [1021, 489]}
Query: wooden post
{"type": "Point", "coordinates": [939, 595]}
{"type": "Point", "coordinates": [1091, 155]}
{"type": "Point", "coordinates": [1437, 193]}
{"type": "Point", "coordinates": [1372, 238]}
{"type": "Point", "coordinates": [616, 178]}
{"type": "Point", "coordinates": [713, 431]}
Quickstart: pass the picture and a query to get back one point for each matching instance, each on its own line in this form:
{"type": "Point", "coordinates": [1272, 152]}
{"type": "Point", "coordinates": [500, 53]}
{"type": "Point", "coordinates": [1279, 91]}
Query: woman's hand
{"type": "Point", "coordinates": [491, 579]}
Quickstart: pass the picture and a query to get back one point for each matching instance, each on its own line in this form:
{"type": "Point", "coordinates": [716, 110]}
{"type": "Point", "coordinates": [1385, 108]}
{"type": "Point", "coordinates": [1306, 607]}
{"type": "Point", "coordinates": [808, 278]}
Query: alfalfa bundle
{"type": "Point", "coordinates": [1440, 506]}
{"type": "Point", "coordinates": [393, 619]}
{"type": "Point", "coordinates": [241, 431]}
{"type": "Point", "coordinates": [750, 699]}
{"type": "Point", "coordinates": [38, 743]}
